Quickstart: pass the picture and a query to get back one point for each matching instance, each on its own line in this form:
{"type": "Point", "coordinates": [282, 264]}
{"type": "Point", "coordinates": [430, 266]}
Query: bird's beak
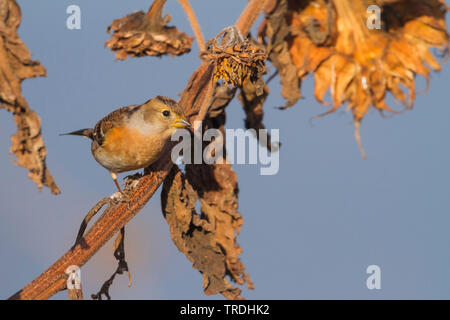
{"type": "Point", "coordinates": [180, 123]}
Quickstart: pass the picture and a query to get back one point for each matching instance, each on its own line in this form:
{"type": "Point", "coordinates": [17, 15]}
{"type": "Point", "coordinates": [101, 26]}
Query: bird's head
{"type": "Point", "coordinates": [164, 115]}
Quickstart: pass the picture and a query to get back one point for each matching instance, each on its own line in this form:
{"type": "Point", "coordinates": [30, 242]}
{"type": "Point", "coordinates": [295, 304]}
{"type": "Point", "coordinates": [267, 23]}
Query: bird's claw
{"type": "Point", "coordinates": [132, 180]}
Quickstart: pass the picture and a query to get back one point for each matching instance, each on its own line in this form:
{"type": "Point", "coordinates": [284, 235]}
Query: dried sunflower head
{"type": "Point", "coordinates": [146, 34]}
{"type": "Point", "coordinates": [236, 59]}
{"type": "Point", "coordinates": [359, 65]}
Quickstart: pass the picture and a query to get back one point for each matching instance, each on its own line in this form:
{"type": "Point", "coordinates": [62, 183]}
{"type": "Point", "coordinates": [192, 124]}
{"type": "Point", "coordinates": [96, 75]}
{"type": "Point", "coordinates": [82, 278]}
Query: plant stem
{"type": "Point", "coordinates": [194, 24]}
{"type": "Point", "coordinates": [249, 15]}
{"type": "Point", "coordinates": [154, 15]}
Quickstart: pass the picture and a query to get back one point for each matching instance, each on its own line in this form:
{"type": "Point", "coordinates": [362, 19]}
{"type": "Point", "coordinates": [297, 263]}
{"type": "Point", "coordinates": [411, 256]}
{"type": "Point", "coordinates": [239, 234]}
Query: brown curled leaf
{"type": "Point", "coordinates": [253, 107]}
{"type": "Point", "coordinates": [16, 65]}
{"type": "Point", "coordinates": [146, 34]}
{"type": "Point", "coordinates": [200, 238]}
{"type": "Point", "coordinates": [223, 94]}
{"type": "Point", "coordinates": [217, 187]}
{"type": "Point", "coordinates": [272, 34]}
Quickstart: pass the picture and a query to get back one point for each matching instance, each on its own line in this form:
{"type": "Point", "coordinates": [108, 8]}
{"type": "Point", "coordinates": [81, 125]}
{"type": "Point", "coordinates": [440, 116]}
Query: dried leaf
{"type": "Point", "coordinates": [205, 242]}
{"type": "Point", "coordinates": [217, 187]}
{"type": "Point", "coordinates": [273, 34]}
{"type": "Point", "coordinates": [253, 107]}
{"type": "Point", "coordinates": [15, 66]}
{"type": "Point", "coordinates": [223, 94]}
{"type": "Point", "coordinates": [139, 34]}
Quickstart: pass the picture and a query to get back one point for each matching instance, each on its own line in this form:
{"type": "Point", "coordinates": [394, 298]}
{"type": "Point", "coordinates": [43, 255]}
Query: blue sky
{"type": "Point", "coordinates": [310, 231]}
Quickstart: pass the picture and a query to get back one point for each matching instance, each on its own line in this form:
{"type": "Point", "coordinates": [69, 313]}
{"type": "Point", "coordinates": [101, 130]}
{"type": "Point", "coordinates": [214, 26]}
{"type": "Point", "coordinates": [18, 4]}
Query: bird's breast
{"type": "Point", "coordinates": [126, 149]}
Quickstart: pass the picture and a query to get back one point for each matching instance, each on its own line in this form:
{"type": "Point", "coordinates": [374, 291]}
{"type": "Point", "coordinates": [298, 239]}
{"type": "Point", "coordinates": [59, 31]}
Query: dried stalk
{"type": "Point", "coordinates": [250, 14]}
{"type": "Point", "coordinates": [154, 14]}
{"type": "Point", "coordinates": [194, 24]}
{"type": "Point", "coordinates": [116, 216]}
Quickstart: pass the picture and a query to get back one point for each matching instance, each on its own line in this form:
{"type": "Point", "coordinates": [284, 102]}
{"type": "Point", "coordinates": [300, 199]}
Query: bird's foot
{"type": "Point", "coordinates": [132, 180]}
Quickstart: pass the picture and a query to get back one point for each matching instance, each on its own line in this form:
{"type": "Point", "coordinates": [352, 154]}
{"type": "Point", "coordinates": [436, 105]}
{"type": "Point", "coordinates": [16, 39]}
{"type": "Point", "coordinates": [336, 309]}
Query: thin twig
{"type": "Point", "coordinates": [95, 209]}
{"type": "Point", "coordinates": [116, 216]}
{"type": "Point", "coordinates": [194, 24]}
{"type": "Point", "coordinates": [122, 266]}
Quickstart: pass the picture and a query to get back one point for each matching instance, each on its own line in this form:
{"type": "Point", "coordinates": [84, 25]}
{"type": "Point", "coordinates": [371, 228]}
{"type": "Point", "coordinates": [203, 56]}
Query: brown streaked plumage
{"type": "Point", "coordinates": [133, 137]}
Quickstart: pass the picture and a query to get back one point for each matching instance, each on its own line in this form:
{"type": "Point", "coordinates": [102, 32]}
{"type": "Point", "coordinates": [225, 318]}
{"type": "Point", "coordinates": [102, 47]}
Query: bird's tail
{"type": "Point", "coordinates": [89, 133]}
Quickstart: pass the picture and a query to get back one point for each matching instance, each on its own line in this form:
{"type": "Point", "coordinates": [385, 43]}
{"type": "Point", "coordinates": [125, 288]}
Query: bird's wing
{"type": "Point", "coordinates": [114, 119]}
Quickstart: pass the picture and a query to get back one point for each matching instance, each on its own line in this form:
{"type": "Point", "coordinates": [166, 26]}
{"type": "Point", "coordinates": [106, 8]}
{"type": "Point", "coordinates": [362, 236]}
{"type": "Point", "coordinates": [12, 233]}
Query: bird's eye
{"type": "Point", "coordinates": [166, 113]}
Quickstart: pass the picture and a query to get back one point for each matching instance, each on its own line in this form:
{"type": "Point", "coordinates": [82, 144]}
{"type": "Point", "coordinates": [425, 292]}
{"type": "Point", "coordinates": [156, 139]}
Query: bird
{"type": "Point", "coordinates": [134, 137]}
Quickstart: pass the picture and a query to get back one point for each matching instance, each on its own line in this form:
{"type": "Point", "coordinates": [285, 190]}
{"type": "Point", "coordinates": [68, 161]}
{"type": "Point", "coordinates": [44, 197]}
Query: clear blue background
{"type": "Point", "coordinates": [310, 231]}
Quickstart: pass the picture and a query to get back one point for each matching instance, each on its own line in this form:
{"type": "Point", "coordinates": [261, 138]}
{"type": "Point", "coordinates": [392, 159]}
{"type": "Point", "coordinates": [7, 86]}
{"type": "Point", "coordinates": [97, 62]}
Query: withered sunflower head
{"type": "Point", "coordinates": [146, 34]}
{"type": "Point", "coordinates": [359, 65]}
{"type": "Point", "coordinates": [236, 59]}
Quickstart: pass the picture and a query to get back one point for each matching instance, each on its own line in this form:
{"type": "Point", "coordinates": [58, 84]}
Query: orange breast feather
{"type": "Point", "coordinates": [131, 148]}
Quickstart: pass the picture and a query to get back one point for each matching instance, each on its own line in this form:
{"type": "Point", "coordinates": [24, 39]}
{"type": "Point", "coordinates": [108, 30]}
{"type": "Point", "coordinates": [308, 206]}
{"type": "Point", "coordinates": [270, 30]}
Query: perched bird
{"type": "Point", "coordinates": [133, 137]}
